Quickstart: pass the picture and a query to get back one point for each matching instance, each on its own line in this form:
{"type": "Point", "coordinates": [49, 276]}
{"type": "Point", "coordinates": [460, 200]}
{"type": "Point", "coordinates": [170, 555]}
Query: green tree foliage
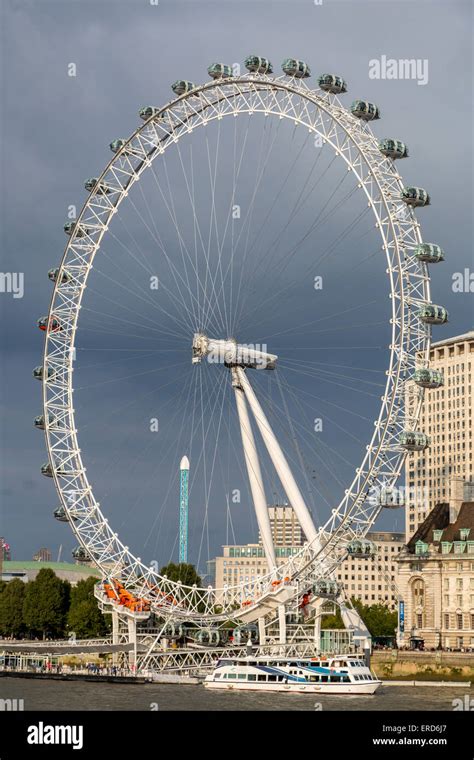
{"type": "Point", "coordinates": [45, 605]}
{"type": "Point", "coordinates": [379, 619]}
{"type": "Point", "coordinates": [332, 621]}
{"type": "Point", "coordinates": [84, 616]}
{"type": "Point", "coordinates": [181, 572]}
{"type": "Point", "coordinates": [12, 596]}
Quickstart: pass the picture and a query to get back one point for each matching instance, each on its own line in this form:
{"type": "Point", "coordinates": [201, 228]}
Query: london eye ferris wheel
{"type": "Point", "coordinates": [250, 264]}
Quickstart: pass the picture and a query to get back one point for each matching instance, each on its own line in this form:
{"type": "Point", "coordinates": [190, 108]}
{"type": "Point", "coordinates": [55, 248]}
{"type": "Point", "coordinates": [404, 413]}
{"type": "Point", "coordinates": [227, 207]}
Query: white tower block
{"type": "Point", "coordinates": [279, 462]}
{"type": "Point", "coordinates": [254, 474]}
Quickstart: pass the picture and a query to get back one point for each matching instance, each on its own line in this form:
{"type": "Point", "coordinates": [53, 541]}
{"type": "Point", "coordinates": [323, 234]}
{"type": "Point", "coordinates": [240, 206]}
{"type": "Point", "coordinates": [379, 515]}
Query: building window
{"type": "Point", "coordinates": [459, 621]}
{"type": "Point", "coordinates": [418, 589]}
{"type": "Point", "coordinates": [419, 620]}
{"type": "Point", "coordinates": [446, 622]}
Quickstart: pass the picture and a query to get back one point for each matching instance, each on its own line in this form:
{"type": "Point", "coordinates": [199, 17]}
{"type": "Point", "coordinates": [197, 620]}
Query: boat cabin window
{"type": "Point", "coordinates": [261, 678]}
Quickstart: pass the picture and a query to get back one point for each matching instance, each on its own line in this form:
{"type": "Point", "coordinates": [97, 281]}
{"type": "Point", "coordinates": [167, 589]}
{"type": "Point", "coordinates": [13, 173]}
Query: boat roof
{"type": "Point", "coordinates": [295, 658]}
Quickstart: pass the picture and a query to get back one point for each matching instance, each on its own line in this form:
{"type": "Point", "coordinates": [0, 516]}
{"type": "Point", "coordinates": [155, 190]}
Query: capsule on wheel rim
{"type": "Point", "coordinates": [219, 71]}
{"type": "Point", "coordinates": [148, 111]}
{"type": "Point", "coordinates": [258, 65]}
{"type": "Point", "coordinates": [332, 83]}
{"type": "Point", "coordinates": [327, 589]}
{"type": "Point", "coordinates": [80, 554]}
{"type": "Point", "coordinates": [182, 87]}
{"type": "Point", "coordinates": [361, 549]}
{"type": "Point", "coordinates": [51, 323]}
{"type": "Point", "coordinates": [393, 149]}
{"type": "Point", "coordinates": [78, 230]}
{"type": "Point", "coordinates": [39, 421]}
{"type": "Point", "coordinates": [53, 275]}
{"type": "Point", "coordinates": [365, 110]}
{"type": "Point", "coordinates": [416, 197]}
{"type": "Point", "coordinates": [428, 378]}
{"type": "Point", "coordinates": [101, 188]}
{"type": "Point", "coordinates": [292, 67]}
{"type": "Point", "coordinates": [414, 440]}
{"type": "Point", "coordinates": [390, 497]}
{"type": "Point", "coordinates": [60, 515]}
{"type": "Point", "coordinates": [430, 253]}
{"type": "Point", "coordinates": [38, 373]}
{"type": "Point", "coordinates": [47, 470]}
{"type": "Point", "coordinates": [432, 314]}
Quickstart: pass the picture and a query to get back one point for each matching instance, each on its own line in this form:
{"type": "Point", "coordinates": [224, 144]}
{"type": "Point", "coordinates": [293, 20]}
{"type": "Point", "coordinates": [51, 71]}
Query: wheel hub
{"type": "Point", "coordinates": [231, 354]}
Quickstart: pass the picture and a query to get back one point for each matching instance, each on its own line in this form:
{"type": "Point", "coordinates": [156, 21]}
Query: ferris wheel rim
{"type": "Point", "coordinates": [261, 83]}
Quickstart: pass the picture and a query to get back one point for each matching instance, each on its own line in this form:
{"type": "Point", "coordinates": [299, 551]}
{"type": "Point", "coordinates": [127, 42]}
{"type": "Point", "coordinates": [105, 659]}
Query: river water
{"type": "Point", "coordinates": [80, 695]}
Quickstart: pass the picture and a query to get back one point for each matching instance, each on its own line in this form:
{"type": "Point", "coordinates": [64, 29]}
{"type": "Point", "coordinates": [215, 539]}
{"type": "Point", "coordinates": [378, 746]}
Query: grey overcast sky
{"type": "Point", "coordinates": [55, 133]}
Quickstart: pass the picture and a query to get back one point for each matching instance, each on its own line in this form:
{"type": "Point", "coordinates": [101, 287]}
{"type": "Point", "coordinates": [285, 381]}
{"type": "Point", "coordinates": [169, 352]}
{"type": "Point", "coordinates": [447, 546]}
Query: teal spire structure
{"type": "Point", "coordinates": [183, 508]}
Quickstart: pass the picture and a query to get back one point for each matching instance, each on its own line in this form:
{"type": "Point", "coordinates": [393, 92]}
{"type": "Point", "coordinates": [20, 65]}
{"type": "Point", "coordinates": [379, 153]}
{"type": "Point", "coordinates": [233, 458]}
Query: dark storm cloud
{"type": "Point", "coordinates": [56, 130]}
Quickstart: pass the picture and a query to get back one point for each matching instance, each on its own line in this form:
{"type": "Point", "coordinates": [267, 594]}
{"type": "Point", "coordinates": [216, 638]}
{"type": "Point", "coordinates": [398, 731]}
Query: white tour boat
{"type": "Point", "coordinates": [346, 674]}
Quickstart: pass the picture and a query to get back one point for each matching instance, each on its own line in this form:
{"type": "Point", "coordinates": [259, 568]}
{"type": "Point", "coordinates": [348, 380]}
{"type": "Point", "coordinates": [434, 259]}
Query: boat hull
{"type": "Point", "coordinates": [299, 688]}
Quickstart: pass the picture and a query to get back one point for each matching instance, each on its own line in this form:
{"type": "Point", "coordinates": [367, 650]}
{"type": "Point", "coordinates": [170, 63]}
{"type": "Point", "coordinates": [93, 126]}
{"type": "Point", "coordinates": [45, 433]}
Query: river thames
{"type": "Point", "coordinates": [66, 695]}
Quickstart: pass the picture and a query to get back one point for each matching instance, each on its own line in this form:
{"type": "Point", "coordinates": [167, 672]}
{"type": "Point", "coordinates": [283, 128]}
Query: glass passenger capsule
{"type": "Point", "coordinates": [294, 68]}
{"type": "Point", "coordinates": [53, 275]}
{"type": "Point", "coordinates": [428, 378]}
{"type": "Point", "coordinates": [117, 145]}
{"type": "Point", "coordinates": [361, 548]}
{"type": "Point", "coordinates": [332, 83]}
{"type": "Point", "coordinates": [415, 196]}
{"type": "Point", "coordinates": [326, 588]}
{"type": "Point", "coordinates": [365, 110]}
{"type": "Point", "coordinates": [412, 440]}
{"type": "Point", "coordinates": [258, 65]}
{"type": "Point", "coordinates": [38, 373]}
{"type": "Point", "coordinates": [208, 636]}
{"type": "Point", "coordinates": [429, 253]}
{"type": "Point", "coordinates": [182, 87]}
{"type": "Point", "coordinates": [219, 71]}
{"type": "Point", "coordinates": [54, 324]}
{"type": "Point", "coordinates": [73, 228]}
{"type": "Point", "coordinates": [80, 554]}
{"type": "Point", "coordinates": [60, 514]}
{"type": "Point", "coordinates": [431, 314]}
{"type": "Point", "coordinates": [147, 111]}
{"type": "Point", "coordinates": [39, 421]}
{"type": "Point", "coordinates": [173, 630]}
{"type": "Point", "coordinates": [47, 470]}
{"type": "Point", "coordinates": [391, 497]}
{"type": "Point", "coordinates": [100, 187]}
{"type": "Point", "coordinates": [393, 148]}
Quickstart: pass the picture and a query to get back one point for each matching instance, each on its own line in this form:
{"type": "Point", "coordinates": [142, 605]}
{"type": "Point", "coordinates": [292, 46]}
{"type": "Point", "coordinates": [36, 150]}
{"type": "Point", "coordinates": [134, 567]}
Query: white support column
{"type": "Point", "coordinates": [262, 636]}
{"type": "Point", "coordinates": [279, 461]}
{"type": "Point", "coordinates": [132, 637]}
{"type": "Point", "coordinates": [254, 474]}
{"type": "Point", "coordinates": [317, 625]}
{"type": "Point", "coordinates": [115, 635]}
{"type": "Point", "coordinates": [282, 624]}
